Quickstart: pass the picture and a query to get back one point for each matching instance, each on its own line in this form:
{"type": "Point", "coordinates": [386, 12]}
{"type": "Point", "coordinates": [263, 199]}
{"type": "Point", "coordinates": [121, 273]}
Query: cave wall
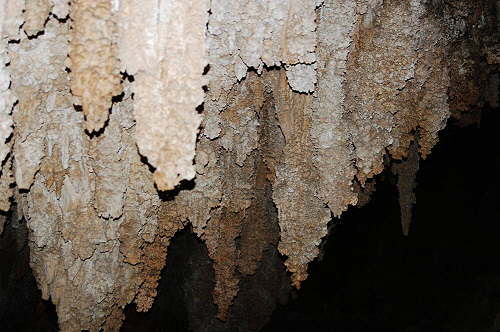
{"type": "Point", "coordinates": [122, 122]}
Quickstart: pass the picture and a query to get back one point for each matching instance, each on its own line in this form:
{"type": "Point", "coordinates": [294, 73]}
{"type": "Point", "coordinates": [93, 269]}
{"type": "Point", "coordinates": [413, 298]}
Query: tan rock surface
{"type": "Point", "coordinates": [94, 75]}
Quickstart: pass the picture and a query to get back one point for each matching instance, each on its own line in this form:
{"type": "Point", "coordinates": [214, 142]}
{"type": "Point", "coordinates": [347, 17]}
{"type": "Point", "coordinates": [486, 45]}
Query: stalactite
{"type": "Point", "coordinates": [236, 160]}
{"type": "Point", "coordinates": [406, 172]}
{"type": "Point", "coordinates": [386, 97]}
{"type": "Point", "coordinates": [260, 227]}
{"type": "Point", "coordinates": [250, 115]}
{"type": "Point", "coordinates": [168, 69]}
{"type": "Point", "coordinates": [93, 59]}
{"type": "Point", "coordinates": [38, 81]}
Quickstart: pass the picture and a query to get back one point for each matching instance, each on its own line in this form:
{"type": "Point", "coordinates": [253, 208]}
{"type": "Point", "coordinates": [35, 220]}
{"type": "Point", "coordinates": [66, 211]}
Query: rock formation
{"type": "Point", "coordinates": [122, 122]}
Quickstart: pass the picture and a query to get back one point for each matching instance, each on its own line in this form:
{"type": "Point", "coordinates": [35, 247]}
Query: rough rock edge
{"type": "Point", "coordinates": [94, 79]}
{"type": "Point", "coordinates": [168, 82]}
{"type": "Point", "coordinates": [10, 19]}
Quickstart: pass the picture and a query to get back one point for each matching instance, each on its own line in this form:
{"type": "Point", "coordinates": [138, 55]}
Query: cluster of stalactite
{"type": "Point", "coordinates": [123, 121]}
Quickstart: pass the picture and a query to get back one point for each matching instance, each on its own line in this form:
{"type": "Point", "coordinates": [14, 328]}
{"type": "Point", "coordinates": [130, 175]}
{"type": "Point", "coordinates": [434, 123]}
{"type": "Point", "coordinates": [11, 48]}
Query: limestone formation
{"type": "Point", "coordinates": [93, 63]}
{"type": "Point", "coordinates": [10, 19]}
{"type": "Point", "coordinates": [406, 172]}
{"type": "Point", "coordinates": [123, 121]}
{"type": "Point", "coordinates": [167, 59]}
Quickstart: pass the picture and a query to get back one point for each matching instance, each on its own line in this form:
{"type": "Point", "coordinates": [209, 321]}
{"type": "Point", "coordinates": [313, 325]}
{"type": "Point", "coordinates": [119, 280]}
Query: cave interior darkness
{"type": "Point", "coordinates": [444, 276]}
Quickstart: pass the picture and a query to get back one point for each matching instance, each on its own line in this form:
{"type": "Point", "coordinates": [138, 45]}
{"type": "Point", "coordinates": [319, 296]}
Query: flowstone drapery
{"type": "Point", "coordinates": [121, 122]}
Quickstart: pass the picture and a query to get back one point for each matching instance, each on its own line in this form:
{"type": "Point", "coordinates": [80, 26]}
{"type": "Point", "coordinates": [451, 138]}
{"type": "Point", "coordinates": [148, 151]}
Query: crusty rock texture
{"type": "Point", "coordinates": [252, 121]}
{"type": "Point", "coordinates": [35, 16]}
{"type": "Point", "coordinates": [10, 20]}
{"type": "Point", "coordinates": [167, 58]}
{"type": "Point", "coordinates": [94, 75]}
